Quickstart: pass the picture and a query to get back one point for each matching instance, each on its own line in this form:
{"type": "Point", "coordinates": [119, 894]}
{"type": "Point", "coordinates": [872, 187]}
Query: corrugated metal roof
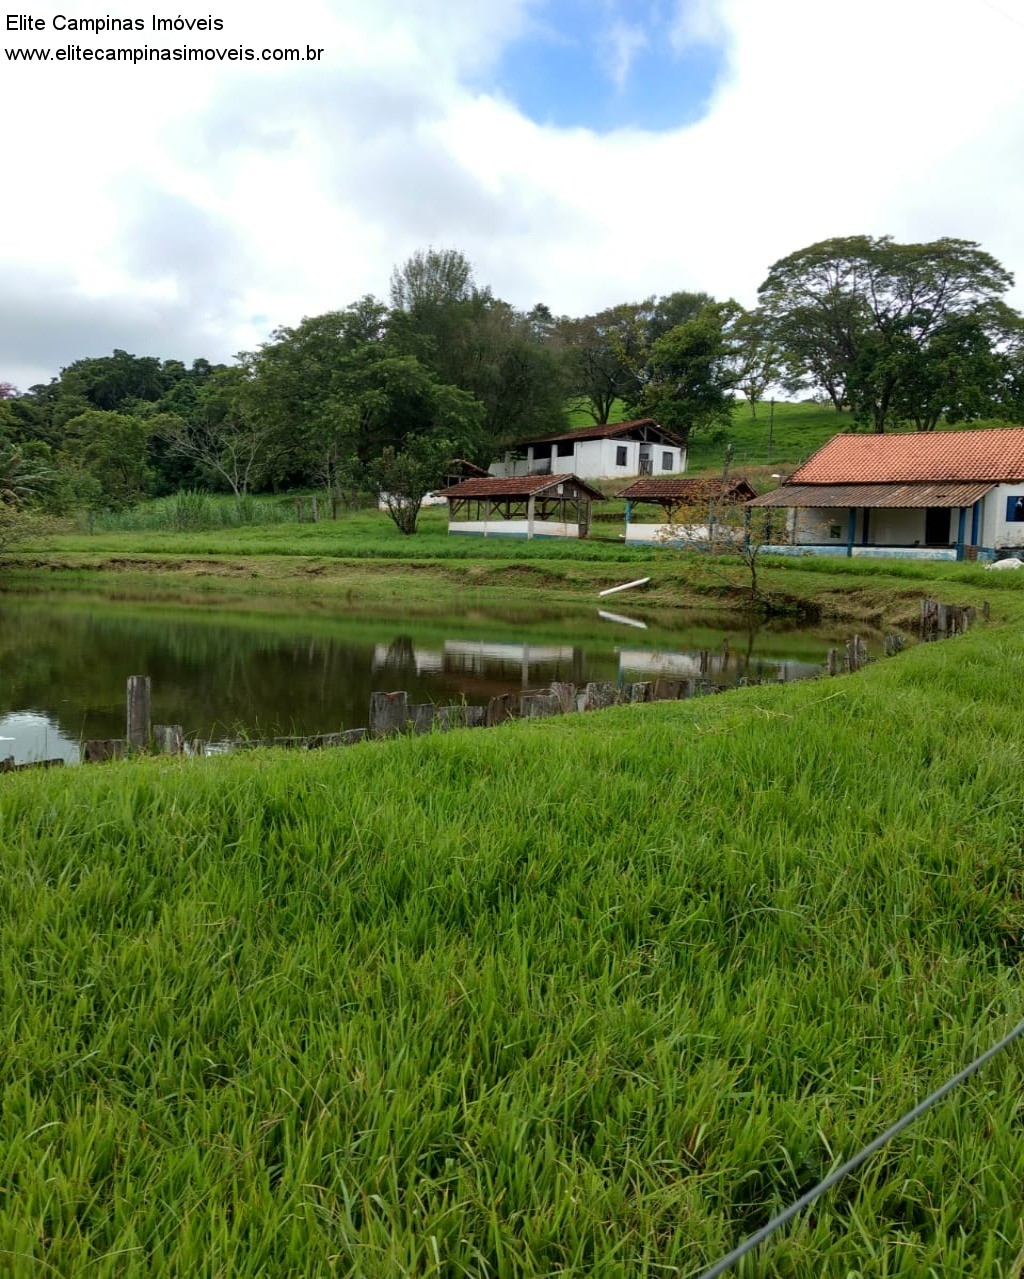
{"type": "Point", "coordinates": [518, 486]}
{"type": "Point", "coordinates": [650, 489]}
{"type": "Point", "coordinates": [874, 495]}
{"type": "Point", "coordinates": [603, 431]}
{"type": "Point", "coordinates": [923, 456]}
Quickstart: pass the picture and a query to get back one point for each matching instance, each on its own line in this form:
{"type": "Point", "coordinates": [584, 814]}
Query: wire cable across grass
{"type": "Point", "coordinates": [851, 1165]}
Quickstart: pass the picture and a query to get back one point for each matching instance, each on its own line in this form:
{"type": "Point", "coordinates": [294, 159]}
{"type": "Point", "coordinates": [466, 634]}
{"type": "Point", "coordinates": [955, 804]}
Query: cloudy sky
{"type": "Point", "coordinates": [580, 152]}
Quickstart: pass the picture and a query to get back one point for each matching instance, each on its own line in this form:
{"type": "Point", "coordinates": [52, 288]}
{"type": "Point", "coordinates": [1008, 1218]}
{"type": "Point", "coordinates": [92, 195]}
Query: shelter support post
{"type": "Point", "coordinates": [851, 531]}
{"type": "Point", "coordinates": [961, 528]}
{"type": "Point", "coordinates": [629, 507]}
{"type": "Point", "coordinates": [530, 509]}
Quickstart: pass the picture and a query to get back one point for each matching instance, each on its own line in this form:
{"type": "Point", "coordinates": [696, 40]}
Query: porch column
{"type": "Point", "coordinates": [530, 507]}
{"type": "Point", "coordinates": [864, 527]}
{"type": "Point", "coordinates": [976, 524]}
{"type": "Point", "coordinates": [961, 528]}
{"type": "Point", "coordinates": [851, 531]}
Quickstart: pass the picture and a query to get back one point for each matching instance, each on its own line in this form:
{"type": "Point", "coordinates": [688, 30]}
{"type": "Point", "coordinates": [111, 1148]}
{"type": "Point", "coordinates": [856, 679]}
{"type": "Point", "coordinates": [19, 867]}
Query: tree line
{"type": "Point", "coordinates": [383, 395]}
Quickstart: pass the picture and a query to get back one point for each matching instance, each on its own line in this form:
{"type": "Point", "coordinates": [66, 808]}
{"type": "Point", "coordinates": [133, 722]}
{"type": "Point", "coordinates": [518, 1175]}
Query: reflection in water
{"type": "Point", "coordinates": [622, 620]}
{"type": "Point", "coordinates": [63, 664]}
{"type": "Point", "coordinates": [26, 735]}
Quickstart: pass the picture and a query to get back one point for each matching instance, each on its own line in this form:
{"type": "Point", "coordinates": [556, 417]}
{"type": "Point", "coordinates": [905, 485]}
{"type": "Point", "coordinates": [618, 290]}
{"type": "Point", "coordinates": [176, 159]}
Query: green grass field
{"type": "Point", "coordinates": [796, 430]}
{"type": "Point", "coordinates": [590, 997]}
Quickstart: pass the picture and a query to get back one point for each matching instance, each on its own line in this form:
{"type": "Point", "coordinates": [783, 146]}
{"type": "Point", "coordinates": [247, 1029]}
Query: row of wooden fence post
{"type": "Point", "coordinates": [391, 713]}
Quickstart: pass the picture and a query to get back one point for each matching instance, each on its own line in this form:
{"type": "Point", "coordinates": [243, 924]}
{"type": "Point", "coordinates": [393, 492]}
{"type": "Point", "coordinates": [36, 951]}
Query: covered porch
{"type": "Point", "coordinates": [526, 506]}
{"type": "Point", "coordinates": [899, 521]}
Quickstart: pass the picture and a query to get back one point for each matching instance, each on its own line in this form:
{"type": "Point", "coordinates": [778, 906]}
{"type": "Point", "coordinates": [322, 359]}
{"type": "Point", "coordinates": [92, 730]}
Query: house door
{"type": "Point", "coordinates": [936, 526]}
{"type": "Point", "coordinates": [646, 460]}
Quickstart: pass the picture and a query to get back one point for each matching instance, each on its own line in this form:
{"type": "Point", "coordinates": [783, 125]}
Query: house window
{"type": "Point", "coordinates": [835, 531]}
{"type": "Point", "coordinates": [1015, 509]}
{"type": "Point", "coordinates": [565, 448]}
{"type": "Point", "coordinates": [666, 461]}
{"type": "Point", "coordinates": [620, 455]}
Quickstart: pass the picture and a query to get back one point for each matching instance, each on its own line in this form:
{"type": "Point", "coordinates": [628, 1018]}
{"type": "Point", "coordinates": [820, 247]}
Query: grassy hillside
{"type": "Point", "coordinates": [796, 431]}
{"type": "Point", "coordinates": [590, 997]}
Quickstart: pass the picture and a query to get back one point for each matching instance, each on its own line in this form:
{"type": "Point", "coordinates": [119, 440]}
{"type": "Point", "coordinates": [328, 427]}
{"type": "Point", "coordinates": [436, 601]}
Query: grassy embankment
{"type": "Point", "coordinates": [590, 997]}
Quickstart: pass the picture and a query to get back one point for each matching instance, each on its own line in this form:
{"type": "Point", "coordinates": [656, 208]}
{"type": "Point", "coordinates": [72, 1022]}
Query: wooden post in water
{"type": "Point", "coordinates": [501, 708]}
{"type": "Point", "coordinates": [566, 694]}
{"type": "Point", "coordinates": [422, 717]}
{"type": "Point", "coordinates": [138, 712]}
{"type": "Point", "coordinates": [538, 705]}
{"type": "Point", "coordinates": [598, 694]}
{"type": "Point", "coordinates": [100, 750]}
{"type": "Point", "coordinates": [861, 650]}
{"type": "Point", "coordinates": [389, 713]}
{"type": "Point", "coordinates": [315, 520]}
{"type": "Point", "coordinates": [169, 739]}
{"type": "Point", "coordinates": [832, 660]}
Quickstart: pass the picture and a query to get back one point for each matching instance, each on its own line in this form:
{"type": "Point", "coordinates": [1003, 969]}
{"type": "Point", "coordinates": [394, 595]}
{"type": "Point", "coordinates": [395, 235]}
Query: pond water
{"type": "Point", "coordinates": [227, 672]}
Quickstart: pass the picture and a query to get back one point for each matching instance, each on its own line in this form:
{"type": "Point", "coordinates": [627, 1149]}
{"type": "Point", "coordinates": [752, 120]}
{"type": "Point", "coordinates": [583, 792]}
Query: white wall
{"type": "Point", "coordinates": [812, 525]}
{"type": "Point", "coordinates": [996, 529]}
{"type": "Point", "coordinates": [680, 534]}
{"type": "Point", "coordinates": [596, 460]}
{"type": "Point", "coordinates": [898, 526]}
{"type": "Point", "coordinates": [514, 528]}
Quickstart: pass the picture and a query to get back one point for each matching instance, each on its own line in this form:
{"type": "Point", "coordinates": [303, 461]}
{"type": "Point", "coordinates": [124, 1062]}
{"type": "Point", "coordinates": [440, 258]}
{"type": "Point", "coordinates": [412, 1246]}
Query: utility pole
{"type": "Point", "coordinates": [771, 429]}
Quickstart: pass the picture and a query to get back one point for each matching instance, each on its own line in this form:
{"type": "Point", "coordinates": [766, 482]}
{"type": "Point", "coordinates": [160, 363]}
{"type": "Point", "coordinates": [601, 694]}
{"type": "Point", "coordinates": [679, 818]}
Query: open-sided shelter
{"type": "Point", "coordinates": [604, 451]}
{"type": "Point", "coordinates": [946, 495]}
{"type": "Point", "coordinates": [522, 506]}
{"type": "Point", "coordinates": [687, 507]}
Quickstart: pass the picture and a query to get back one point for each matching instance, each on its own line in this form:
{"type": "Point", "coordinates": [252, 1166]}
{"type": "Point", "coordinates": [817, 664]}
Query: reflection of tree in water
{"type": "Point", "coordinates": [399, 655]}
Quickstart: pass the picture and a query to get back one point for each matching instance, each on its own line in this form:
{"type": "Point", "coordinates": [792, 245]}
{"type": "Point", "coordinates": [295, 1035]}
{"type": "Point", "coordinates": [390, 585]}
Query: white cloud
{"type": "Point", "coordinates": [185, 211]}
{"type": "Point", "coordinates": [619, 44]}
{"type": "Point", "coordinates": [698, 22]}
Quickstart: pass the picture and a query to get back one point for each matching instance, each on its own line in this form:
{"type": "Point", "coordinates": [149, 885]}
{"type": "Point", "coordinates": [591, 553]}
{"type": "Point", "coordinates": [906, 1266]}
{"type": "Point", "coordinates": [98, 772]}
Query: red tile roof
{"type": "Point", "coordinates": [518, 486]}
{"type": "Point", "coordinates": [696, 490]}
{"type": "Point", "coordinates": [924, 456]}
{"type": "Point", "coordinates": [604, 431]}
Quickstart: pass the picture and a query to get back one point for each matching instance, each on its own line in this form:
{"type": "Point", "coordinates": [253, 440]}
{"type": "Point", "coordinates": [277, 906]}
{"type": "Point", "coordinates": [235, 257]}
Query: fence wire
{"type": "Point", "coordinates": [851, 1165]}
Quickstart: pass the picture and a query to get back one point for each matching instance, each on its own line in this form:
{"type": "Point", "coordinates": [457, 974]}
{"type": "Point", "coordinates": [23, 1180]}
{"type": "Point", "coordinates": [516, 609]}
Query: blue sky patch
{"type": "Point", "coordinates": [608, 64]}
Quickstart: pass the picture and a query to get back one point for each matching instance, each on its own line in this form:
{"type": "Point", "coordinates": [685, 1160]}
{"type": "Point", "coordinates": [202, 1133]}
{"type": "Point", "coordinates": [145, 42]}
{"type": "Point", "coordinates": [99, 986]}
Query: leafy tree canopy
{"type": "Point", "coordinates": [880, 326]}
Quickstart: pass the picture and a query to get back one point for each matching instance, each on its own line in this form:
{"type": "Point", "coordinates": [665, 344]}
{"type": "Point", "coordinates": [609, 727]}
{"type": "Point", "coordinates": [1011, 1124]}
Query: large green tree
{"type": "Point", "coordinates": [111, 452]}
{"type": "Point", "coordinates": [602, 355]}
{"type": "Point", "coordinates": [470, 339]}
{"type": "Point", "coordinates": [883, 327]}
{"type": "Point", "coordinates": [687, 380]}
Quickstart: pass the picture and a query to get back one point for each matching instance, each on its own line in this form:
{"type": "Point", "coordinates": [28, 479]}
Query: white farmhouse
{"type": "Point", "coordinates": [618, 450]}
{"type": "Point", "coordinates": [946, 495]}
